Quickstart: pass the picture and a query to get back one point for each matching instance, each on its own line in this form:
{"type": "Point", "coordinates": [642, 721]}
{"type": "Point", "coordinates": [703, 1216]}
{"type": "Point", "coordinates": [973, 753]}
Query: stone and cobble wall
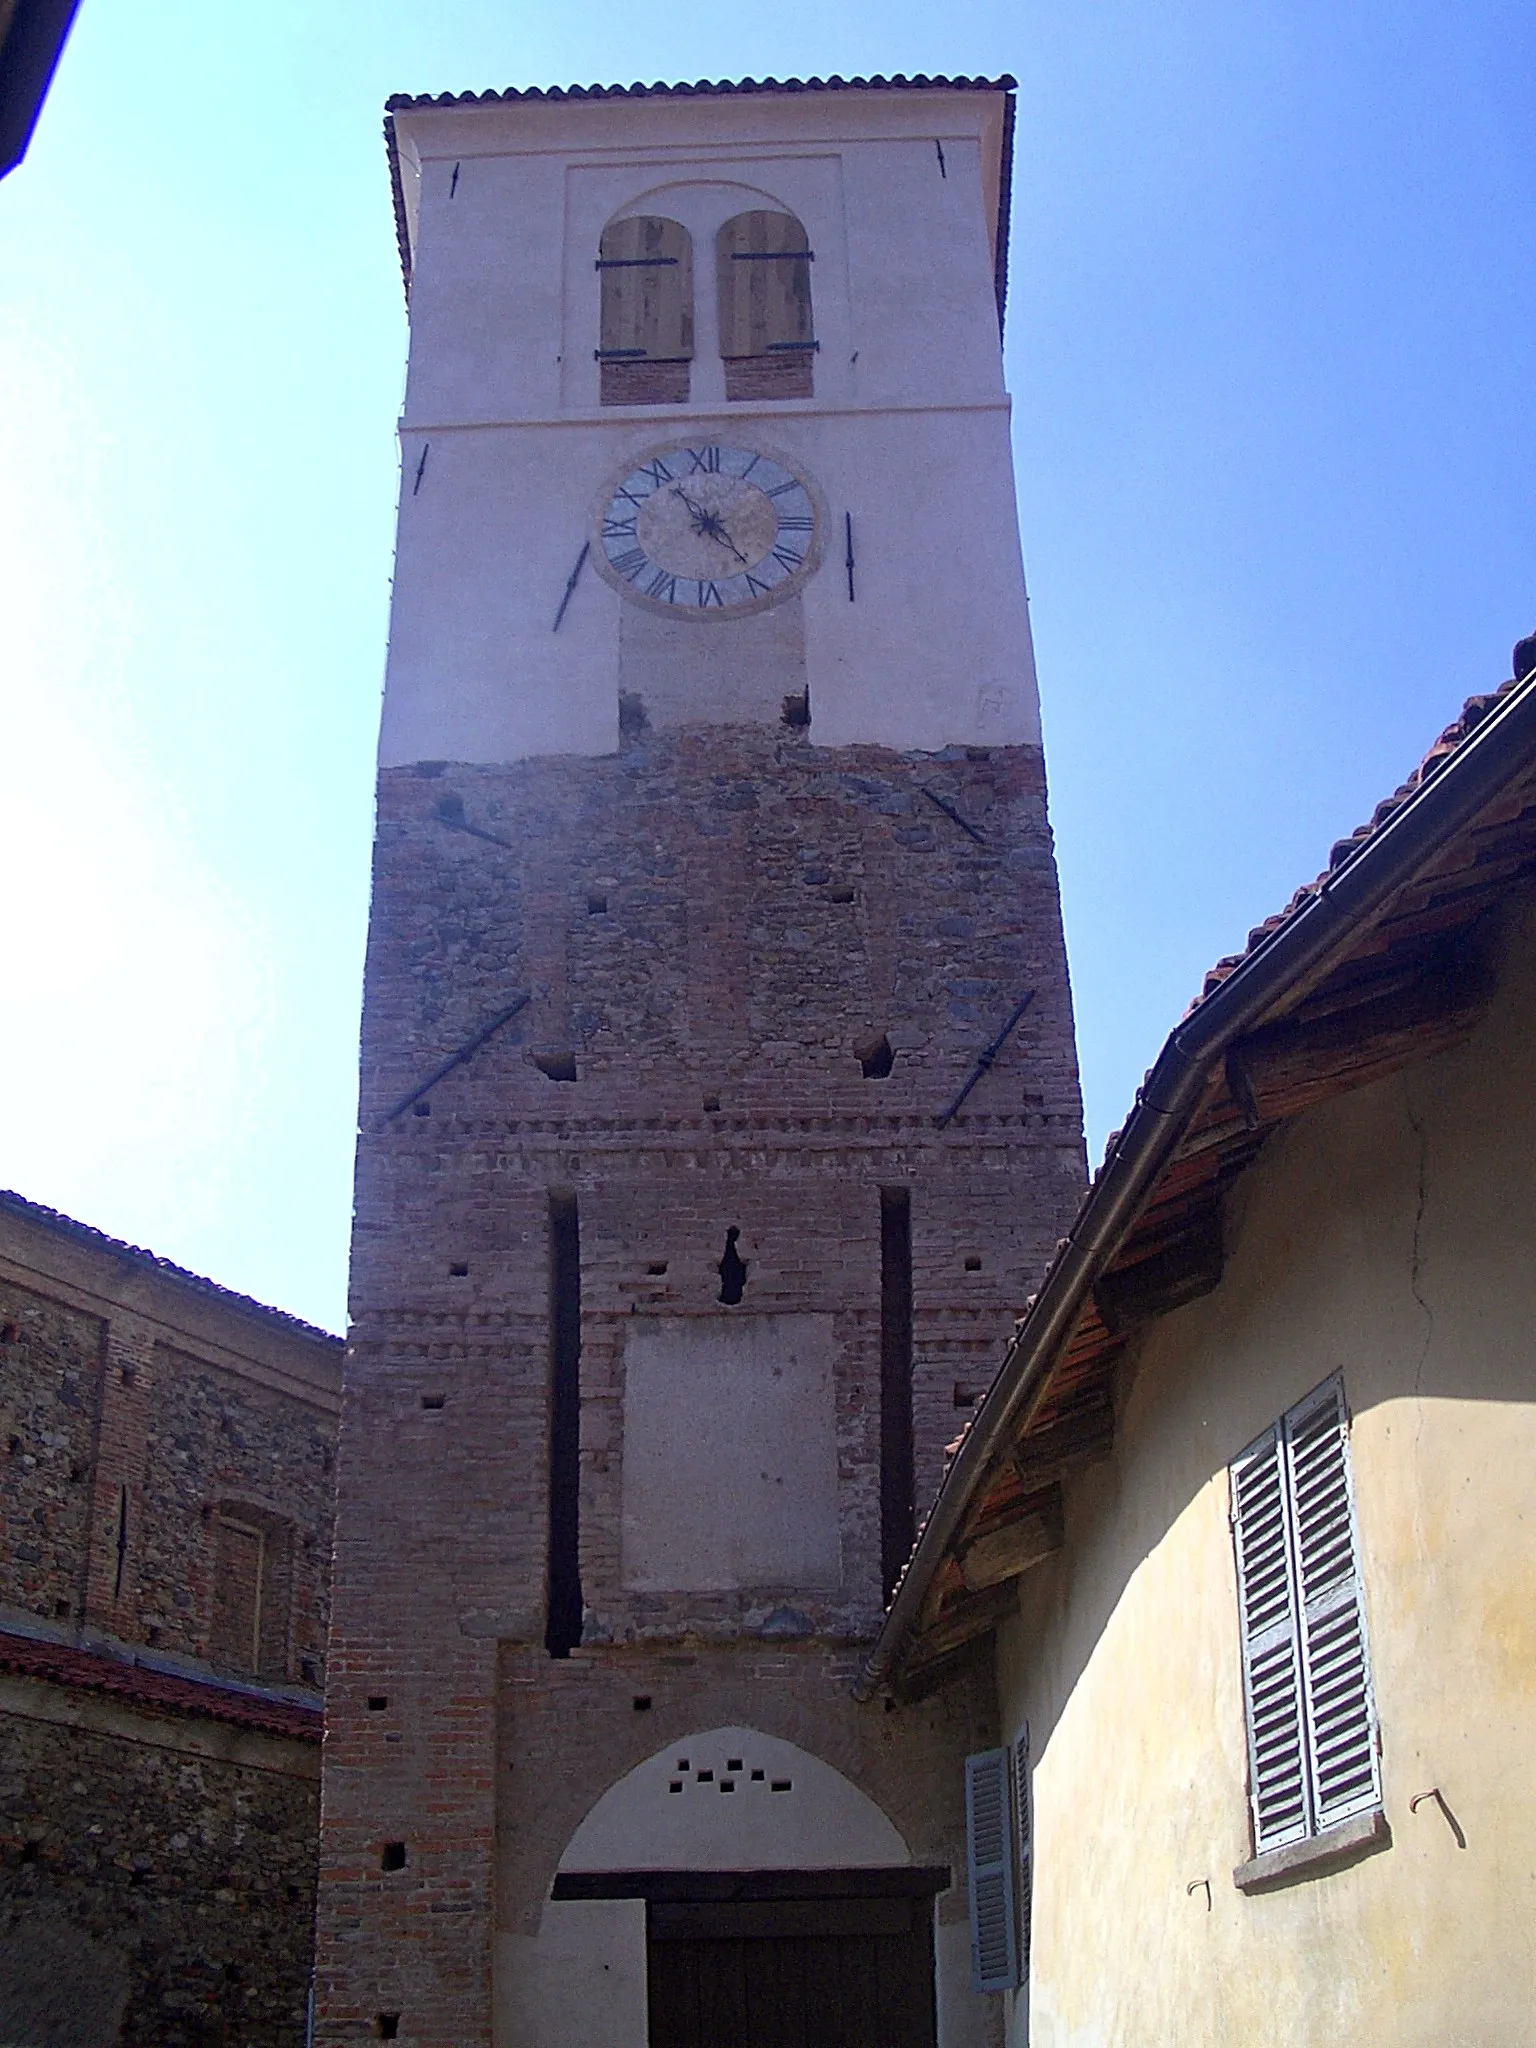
{"type": "Point", "coordinates": [156, 1879]}
{"type": "Point", "coordinates": [148, 1897]}
{"type": "Point", "coordinates": [716, 929]}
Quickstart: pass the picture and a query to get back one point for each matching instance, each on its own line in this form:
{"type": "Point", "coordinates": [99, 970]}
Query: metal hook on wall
{"type": "Point", "coordinates": [1194, 1885]}
{"type": "Point", "coordinates": [1438, 1797]}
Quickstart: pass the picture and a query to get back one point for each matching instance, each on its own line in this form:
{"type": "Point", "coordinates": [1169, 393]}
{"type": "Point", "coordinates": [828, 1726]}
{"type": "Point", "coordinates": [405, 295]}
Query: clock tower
{"type": "Point", "coordinates": [719, 1105]}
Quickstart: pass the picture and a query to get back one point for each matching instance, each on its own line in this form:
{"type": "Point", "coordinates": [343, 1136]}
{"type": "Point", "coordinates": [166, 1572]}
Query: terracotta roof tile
{"type": "Point", "coordinates": [158, 1691]}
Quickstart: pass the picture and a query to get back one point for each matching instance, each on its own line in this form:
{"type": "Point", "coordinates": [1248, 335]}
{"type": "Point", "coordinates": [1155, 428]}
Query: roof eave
{"type": "Point", "coordinates": [1320, 930]}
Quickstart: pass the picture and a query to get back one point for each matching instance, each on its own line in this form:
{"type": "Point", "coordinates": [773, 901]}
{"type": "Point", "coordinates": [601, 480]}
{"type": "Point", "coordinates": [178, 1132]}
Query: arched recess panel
{"type": "Point", "coordinates": [646, 341]}
{"type": "Point", "coordinates": [763, 281]}
{"type": "Point", "coordinates": [734, 1799]}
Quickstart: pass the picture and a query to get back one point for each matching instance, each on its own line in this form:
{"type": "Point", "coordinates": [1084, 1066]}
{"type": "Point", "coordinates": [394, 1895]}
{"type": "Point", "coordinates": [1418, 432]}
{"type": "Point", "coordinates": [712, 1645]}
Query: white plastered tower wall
{"type": "Point", "coordinates": [907, 435]}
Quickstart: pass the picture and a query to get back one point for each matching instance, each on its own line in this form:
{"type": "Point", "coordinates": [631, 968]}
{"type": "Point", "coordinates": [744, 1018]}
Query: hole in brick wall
{"type": "Point", "coordinates": [13, 1445]}
{"type": "Point", "coordinates": [641, 1703]}
{"type": "Point", "coordinates": [459, 1270]}
{"type": "Point", "coordinates": [125, 1374]}
{"type": "Point", "coordinates": [153, 1634]}
{"type": "Point", "coordinates": [327, 1459]}
{"type": "Point", "coordinates": [377, 1702]}
{"type": "Point", "coordinates": [781, 1785]}
{"type": "Point", "coordinates": [231, 1973]}
{"type": "Point", "coordinates": [9, 1334]}
{"type": "Point", "coordinates": [972, 1263]}
{"type": "Point", "coordinates": [841, 894]}
{"type": "Point", "coordinates": [733, 1763]}
{"type": "Point", "coordinates": [706, 1777]}
{"type": "Point", "coordinates": [556, 1066]}
{"type": "Point", "coordinates": [727, 1784]}
{"type": "Point", "coordinates": [874, 1055]}
{"type": "Point", "coordinates": [757, 1777]}
{"type": "Point", "coordinates": [676, 1785]}
{"type": "Point", "coordinates": [61, 1610]}
{"type": "Point", "coordinates": [392, 1856]}
{"type": "Point", "coordinates": [389, 2026]}
{"type": "Point", "coordinates": [596, 905]}
{"type": "Point", "coordinates": [797, 709]}
{"type": "Point", "coordinates": [450, 808]}
{"type": "Point", "coordinates": [309, 1671]}
{"type": "Point", "coordinates": [77, 1471]}
{"type": "Point", "coordinates": [421, 1109]}
{"type": "Point", "coordinates": [712, 1104]}
{"type": "Point", "coordinates": [292, 1893]}
{"type": "Point", "coordinates": [656, 1268]}
{"type": "Point", "coordinates": [632, 716]}
{"type": "Point", "coordinates": [434, 1402]}
{"type": "Point", "coordinates": [30, 1851]}
{"type": "Point", "coordinates": [732, 1269]}
{"type": "Point", "coordinates": [683, 1764]}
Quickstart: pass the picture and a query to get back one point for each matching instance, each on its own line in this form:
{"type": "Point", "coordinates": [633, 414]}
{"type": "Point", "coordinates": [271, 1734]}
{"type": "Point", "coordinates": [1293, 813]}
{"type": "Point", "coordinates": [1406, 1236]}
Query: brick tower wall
{"type": "Point", "coordinates": [712, 926]}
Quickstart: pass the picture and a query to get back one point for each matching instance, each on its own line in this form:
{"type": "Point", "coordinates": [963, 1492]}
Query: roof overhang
{"type": "Point", "coordinates": [998, 152]}
{"type": "Point", "coordinates": [1374, 965]}
{"type": "Point", "coordinates": [32, 34]}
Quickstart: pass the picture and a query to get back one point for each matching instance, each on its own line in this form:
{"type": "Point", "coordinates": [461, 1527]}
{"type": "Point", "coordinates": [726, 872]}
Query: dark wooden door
{"type": "Point", "coordinates": [792, 1973]}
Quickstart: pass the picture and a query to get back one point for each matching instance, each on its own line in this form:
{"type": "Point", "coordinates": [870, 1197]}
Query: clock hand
{"type": "Point", "coordinates": [709, 524]}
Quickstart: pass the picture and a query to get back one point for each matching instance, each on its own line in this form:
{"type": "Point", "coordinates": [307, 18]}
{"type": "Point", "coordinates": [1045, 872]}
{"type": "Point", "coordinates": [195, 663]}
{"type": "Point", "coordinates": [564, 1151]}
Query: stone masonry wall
{"type": "Point", "coordinates": [50, 1367]}
{"type": "Point", "coordinates": [716, 929]}
{"type": "Point", "coordinates": [149, 1898]}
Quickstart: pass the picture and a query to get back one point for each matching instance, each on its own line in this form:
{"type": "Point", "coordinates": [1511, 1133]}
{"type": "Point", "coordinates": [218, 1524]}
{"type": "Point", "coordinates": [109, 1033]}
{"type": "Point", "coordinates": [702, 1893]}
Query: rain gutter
{"type": "Point", "coordinates": [1312, 938]}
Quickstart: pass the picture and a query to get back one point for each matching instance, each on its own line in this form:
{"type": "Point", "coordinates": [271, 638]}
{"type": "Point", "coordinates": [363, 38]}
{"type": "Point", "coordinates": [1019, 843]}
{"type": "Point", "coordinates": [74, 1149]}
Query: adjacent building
{"type": "Point", "coordinates": [1254, 1486]}
{"type": "Point", "coordinates": [167, 1450]}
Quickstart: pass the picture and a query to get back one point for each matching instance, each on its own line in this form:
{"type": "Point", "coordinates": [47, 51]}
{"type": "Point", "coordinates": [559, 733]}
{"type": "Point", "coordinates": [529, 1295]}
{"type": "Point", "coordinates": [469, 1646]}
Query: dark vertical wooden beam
{"type": "Point", "coordinates": [896, 1459]}
{"type": "Point", "coordinates": [563, 1624]}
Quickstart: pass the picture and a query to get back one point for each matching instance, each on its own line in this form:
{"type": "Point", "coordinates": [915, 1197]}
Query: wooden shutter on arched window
{"type": "Point", "coordinates": [646, 337]}
{"type": "Point", "coordinates": [767, 336]}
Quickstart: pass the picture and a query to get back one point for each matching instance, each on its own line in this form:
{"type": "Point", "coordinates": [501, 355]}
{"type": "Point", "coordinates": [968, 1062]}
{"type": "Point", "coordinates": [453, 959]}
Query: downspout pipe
{"type": "Point", "coordinates": [1312, 939]}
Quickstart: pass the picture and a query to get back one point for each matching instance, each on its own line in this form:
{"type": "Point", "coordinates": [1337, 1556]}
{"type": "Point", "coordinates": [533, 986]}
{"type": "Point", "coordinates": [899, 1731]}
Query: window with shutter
{"type": "Point", "coordinates": [1312, 1759]}
{"type": "Point", "coordinates": [763, 279]}
{"type": "Point", "coordinates": [989, 1870]}
{"type": "Point", "coordinates": [646, 335]}
{"type": "Point", "coordinates": [1024, 1827]}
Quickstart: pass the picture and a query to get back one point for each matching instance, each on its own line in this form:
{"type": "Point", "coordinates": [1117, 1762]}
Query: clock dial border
{"type": "Point", "coordinates": [788, 585]}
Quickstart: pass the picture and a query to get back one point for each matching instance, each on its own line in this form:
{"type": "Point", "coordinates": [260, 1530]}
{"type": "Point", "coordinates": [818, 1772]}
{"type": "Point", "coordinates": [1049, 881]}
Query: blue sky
{"type": "Point", "coordinates": [1275, 415]}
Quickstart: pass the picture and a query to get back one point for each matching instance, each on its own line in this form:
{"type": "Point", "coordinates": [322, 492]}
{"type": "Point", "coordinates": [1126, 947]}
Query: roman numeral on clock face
{"type": "Point", "coordinates": [663, 586]}
{"type": "Point", "coordinates": [709, 593]}
{"type": "Point", "coordinates": [706, 459]}
{"type": "Point", "coordinates": [657, 471]}
{"type": "Point", "coordinates": [618, 529]}
{"type": "Point", "coordinates": [787, 558]}
{"type": "Point", "coordinates": [631, 562]}
{"type": "Point", "coordinates": [794, 523]}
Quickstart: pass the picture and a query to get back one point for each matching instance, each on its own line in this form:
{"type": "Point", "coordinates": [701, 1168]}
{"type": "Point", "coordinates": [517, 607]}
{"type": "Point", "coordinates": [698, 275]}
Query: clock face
{"type": "Point", "coordinates": [707, 531]}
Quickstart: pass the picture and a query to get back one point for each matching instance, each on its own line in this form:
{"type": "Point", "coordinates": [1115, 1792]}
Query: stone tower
{"type": "Point", "coordinates": [712, 863]}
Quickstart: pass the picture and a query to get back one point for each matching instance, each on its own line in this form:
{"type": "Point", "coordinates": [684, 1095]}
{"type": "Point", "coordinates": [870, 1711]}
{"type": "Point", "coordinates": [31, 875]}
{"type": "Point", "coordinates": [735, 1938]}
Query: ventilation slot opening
{"type": "Point", "coordinates": [797, 710]}
{"type": "Point", "coordinates": [732, 1270]}
{"type": "Point", "coordinates": [459, 1270]}
{"type": "Point", "coordinates": [712, 1105]}
{"type": "Point", "coordinates": [421, 1109]}
{"type": "Point", "coordinates": [972, 1263]}
{"type": "Point", "coordinates": [392, 1856]}
{"type": "Point", "coordinates": [377, 1702]}
{"type": "Point", "coordinates": [556, 1066]}
{"type": "Point", "coordinates": [656, 1268]}
{"type": "Point", "coordinates": [563, 1624]}
{"type": "Point", "coordinates": [874, 1056]}
{"type": "Point", "coordinates": [389, 2026]}
{"type": "Point", "coordinates": [434, 1403]}
{"type": "Point", "coordinates": [896, 1455]}
{"type": "Point", "coordinates": [641, 1703]}
{"type": "Point", "coordinates": [597, 905]}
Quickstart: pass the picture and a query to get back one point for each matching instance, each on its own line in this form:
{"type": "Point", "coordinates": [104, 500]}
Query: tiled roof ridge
{"type": "Point", "coordinates": [136, 1685]}
{"type": "Point", "coordinates": [1473, 712]}
{"type": "Point", "coordinates": [703, 88]}
{"type": "Point", "coordinates": [85, 1233]}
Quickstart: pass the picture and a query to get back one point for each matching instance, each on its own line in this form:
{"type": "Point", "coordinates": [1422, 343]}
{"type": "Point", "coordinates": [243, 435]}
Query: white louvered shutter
{"type": "Point", "coordinates": [1272, 1687]}
{"type": "Point", "coordinates": [989, 1870]}
{"type": "Point", "coordinates": [1024, 1834]}
{"type": "Point", "coordinates": [1340, 1712]}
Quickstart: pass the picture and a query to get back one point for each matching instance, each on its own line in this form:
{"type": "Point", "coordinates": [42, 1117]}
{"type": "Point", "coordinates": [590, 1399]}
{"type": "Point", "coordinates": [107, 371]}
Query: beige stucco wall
{"type": "Point", "coordinates": [1387, 1236]}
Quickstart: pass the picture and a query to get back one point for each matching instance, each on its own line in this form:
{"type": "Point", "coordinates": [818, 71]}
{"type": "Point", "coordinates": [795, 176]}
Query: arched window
{"type": "Point", "coordinates": [646, 266]}
{"type": "Point", "coordinates": [767, 337]}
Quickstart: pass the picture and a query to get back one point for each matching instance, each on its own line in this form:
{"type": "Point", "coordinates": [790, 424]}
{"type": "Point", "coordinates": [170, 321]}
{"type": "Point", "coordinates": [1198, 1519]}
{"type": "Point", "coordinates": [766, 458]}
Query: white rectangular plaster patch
{"type": "Point", "coordinates": [730, 1453]}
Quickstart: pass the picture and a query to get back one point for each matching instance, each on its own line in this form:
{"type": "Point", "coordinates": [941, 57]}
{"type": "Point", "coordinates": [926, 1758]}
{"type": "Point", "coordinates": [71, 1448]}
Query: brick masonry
{"type": "Point", "coordinates": [158, 1806]}
{"type": "Point", "coordinates": [712, 927]}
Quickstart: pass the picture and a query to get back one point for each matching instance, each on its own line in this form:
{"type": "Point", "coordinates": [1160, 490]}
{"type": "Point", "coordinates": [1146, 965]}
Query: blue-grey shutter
{"type": "Point", "coordinates": [1024, 1834]}
{"type": "Point", "coordinates": [1272, 1685]}
{"type": "Point", "coordinates": [1340, 1714]}
{"type": "Point", "coordinates": [989, 1870]}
